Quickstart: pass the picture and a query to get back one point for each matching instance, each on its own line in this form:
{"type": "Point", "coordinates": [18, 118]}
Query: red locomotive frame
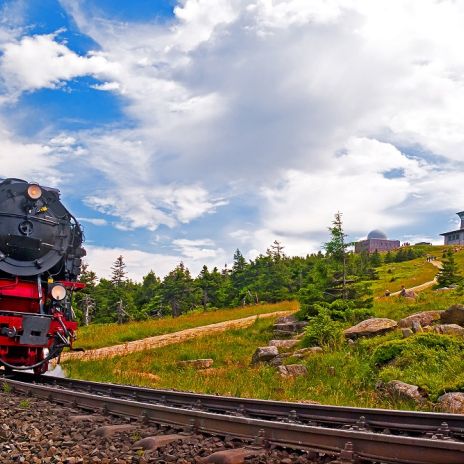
{"type": "Point", "coordinates": [31, 323]}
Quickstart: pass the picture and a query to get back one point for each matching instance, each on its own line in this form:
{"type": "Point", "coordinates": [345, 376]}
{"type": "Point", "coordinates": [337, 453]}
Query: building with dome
{"type": "Point", "coordinates": [376, 241]}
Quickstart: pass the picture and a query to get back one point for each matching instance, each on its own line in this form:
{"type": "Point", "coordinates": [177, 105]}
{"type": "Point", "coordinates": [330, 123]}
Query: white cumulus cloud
{"type": "Point", "coordinates": [39, 61]}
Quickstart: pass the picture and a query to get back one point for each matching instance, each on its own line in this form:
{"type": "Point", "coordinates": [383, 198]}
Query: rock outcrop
{"type": "Point", "coordinates": [292, 370]}
{"type": "Point", "coordinates": [288, 326]}
{"type": "Point", "coordinates": [264, 354]}
{"type": "Point", "coordinates": [370, 327]}
{"type": "Point", "coordinates": [452, 402]}
{"type": "Point", "coordinates": [453, 315]}
{"type": "Point", "coordinates": [284, 344]}
{"type": "Point", "coordinates": [449, 329]}
{"type": "Point", "coordinates": [424, 318]}
{"type": "Point", "coordinates": [403, 390]}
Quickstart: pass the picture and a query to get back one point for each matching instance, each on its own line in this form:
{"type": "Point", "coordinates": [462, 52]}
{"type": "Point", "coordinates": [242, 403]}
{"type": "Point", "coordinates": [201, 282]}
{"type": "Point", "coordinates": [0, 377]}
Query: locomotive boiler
{"type": "Point", "coordinates": [40, 261]}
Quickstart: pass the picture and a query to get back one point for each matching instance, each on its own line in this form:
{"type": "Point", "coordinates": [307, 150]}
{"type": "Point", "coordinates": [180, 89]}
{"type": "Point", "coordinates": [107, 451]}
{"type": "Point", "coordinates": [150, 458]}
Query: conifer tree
{"type": "Point", "coordinates": [389, 258]}
{"type": "Point", "coordinates": [336, 249]}
{"type": "Point", "coordinates": [375, 259]}
{"type": "Point", "coordinates": [334, 283]}
{"type": "Point", "coordinates": [178, 290]}
{"type": "Point", "coordinates": [118, 275]}
{"type": "Point", "coordinates": [449, 274]}
{"type": "Point", "coordinates": [84, 299]}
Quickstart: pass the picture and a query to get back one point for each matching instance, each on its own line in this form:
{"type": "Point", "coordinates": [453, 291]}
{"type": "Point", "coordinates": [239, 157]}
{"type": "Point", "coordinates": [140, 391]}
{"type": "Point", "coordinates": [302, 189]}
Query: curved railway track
{"type": "Point", "coordinates": [372, 434]}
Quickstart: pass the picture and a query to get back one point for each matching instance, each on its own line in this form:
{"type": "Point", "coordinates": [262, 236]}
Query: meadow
{"type": "Point", "coordinates": [347, 375]}
{"type": "Point", "coordinates": [100, 335]}
{"type": "Point", "coordinates": [232, 374]}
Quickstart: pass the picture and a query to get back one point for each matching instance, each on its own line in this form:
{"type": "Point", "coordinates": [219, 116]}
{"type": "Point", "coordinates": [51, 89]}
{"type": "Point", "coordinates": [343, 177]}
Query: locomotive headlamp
{"type": "Point", "coordinates": [58, 292]}
{"type": "Point", "coordinates": [34, 192]}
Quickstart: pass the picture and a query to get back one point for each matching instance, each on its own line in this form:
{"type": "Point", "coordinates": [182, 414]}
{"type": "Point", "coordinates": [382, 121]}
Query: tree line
{"type": "Point", "coordinates": [333, 278]}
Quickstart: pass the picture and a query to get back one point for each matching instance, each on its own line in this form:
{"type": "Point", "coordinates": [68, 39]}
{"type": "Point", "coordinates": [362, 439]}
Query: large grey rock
{"type": "Point", "coordinates": [284, 344]}
{"type": "Point", "coordinates": [452, 402]}
{"type": "Point", "coordinates": [416, 327]}
{"type": "Point", "coordinates": [369, 327]}
{"type": "Point", "coordinates": [406, 333]}
{"type": "Point", "coordinates": [277, 361]}
{"type": "Point", "coordinates": [264, 354]}
{"type": "Point", "coordinates": [288, 325]}
{"type": "Point", "coordinates": [289, 328]}
{"type": "Point", "coordinates": [424, 318]}
{"type": "Point", "coordinates": [449, 329]}
{"type": "Point", "coordinates": [286, 319]}
{"type": "Point", "coordinates": [399, 389]}
{"type": "Point", "coordinates": [292, 370]}
{"type": "Point", "coordinates": [453, 315]}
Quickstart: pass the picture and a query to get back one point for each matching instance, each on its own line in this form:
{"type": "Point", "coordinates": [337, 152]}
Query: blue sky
{"type": "Point", "coordinates": [181, 130]}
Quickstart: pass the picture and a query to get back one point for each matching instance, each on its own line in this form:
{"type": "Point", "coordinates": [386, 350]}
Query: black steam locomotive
{"type": "Point", "coordinates": [40, 261]}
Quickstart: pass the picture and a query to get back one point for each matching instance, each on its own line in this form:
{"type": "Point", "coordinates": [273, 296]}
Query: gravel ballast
{"type": "Point", "coordinates": [34, 431]}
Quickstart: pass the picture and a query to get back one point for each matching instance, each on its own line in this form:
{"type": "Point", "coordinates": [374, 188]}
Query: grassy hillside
{"type": "Point", "coordinates": [344, 375]}
{"type": "Point", "coordinates": [409, 273]}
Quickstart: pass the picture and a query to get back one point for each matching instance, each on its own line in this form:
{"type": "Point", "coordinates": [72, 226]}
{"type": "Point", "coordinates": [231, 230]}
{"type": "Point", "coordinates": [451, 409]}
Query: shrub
{"type": "Point", "coordinates": [343, 310]}
{"type": "Point", "coordinates": [392, 349]}
{"type": "Point", "coordinates": [322, 330]}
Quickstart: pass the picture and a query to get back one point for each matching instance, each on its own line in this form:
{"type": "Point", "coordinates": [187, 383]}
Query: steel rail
{"type": "Point", "coordinates": [412, 422]}
{"type": "Point", "coordinates": [366, 445]}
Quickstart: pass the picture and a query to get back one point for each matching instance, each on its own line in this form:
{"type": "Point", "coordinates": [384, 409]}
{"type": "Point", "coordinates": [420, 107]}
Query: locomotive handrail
{"type": "Point", "coordinates": [21, 314]}
{"type": "Point", "coordinates": [34, 218]}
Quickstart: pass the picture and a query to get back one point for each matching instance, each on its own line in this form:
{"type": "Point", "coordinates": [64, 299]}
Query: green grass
{"type": "Point", "coordinates": [428, 300]}
{"type": "Point", "coordinates": [100, 335]}
{"type": "Point", "coordinates": [343, 377]}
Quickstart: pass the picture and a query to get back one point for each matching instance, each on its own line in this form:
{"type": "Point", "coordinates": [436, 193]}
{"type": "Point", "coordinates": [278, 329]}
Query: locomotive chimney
{"type": "Point", "coordinates": [461, 216]}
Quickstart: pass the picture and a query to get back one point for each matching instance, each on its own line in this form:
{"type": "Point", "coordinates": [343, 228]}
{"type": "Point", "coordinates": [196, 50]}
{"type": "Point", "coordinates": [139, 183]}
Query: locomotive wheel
{"type": "Point", "coordinates": [7, 370]}
{"type": "Point", "coordinates": [39, 370]}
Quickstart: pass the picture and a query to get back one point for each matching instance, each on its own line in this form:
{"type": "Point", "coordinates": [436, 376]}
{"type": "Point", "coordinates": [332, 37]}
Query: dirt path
{"type": "Point", "coordinates": [169, 339]}
{"type": "Point", "coordinates": [425, 285]}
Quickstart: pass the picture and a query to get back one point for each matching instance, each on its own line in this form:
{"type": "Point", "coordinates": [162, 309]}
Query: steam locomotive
{"type": "Point", "coordinates": [40, 261]}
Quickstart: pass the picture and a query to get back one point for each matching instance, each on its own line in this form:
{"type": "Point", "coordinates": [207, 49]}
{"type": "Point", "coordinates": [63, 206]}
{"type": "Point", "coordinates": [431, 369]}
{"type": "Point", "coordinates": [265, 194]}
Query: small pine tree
{"type": "Point", "coordinates": [336, 249]}
{"type": "Point", "coordinates": [399, 256]}
{"type": "Point", "coordinates": [449, 274]}
{"type": "Point", "coordinates": [118, 275]}
{"type": "Point", "coordinates": [375, 259]}
{"type": "Point", "coordinates": [389, 258]}
{"type": "Point", "coordinates": [410, 254]}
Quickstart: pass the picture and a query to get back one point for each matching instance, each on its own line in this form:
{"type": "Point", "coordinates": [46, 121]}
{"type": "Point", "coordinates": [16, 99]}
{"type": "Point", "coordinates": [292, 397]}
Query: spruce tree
{"type": "Point", "coordinates": [118, 275]}
{"type": "Point", "coordinates": [335, 284]}
{"type": "Point", "coordinates": [336, 249]}
{"type": "Point", "coordinates": [375, 259]}
{"type": "Point", "coordinates": [449, 274]}
{"type": "Point", "coordinates": [389, 258]}
{"type": "Point", "coordinates": [178, 291]}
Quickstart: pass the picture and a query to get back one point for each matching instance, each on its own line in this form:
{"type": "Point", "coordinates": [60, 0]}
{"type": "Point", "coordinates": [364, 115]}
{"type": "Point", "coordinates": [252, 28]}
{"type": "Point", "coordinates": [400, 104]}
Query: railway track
{"type": "Point", "coordinates": [368, 434]}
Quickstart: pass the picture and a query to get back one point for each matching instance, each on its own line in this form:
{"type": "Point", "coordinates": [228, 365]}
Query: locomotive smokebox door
{"type": "Point", "coordinates": [35, 330]}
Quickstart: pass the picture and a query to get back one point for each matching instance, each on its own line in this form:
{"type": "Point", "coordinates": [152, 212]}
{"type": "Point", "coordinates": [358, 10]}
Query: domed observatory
{"type": "Point", "coordinates": [376, 241]}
